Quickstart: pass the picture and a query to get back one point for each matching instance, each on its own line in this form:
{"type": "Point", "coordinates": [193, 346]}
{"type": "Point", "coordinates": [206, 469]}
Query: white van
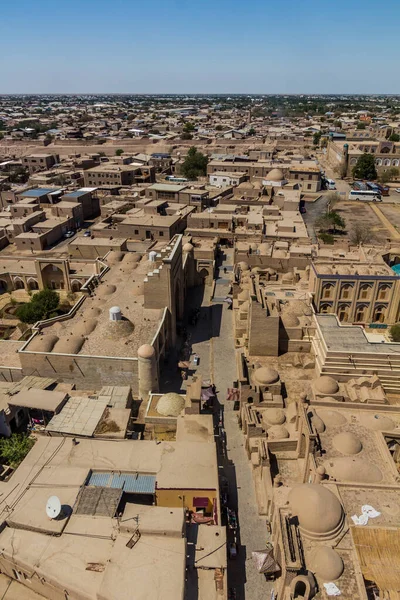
{"type": "Point", "coordinates": [330, 184]}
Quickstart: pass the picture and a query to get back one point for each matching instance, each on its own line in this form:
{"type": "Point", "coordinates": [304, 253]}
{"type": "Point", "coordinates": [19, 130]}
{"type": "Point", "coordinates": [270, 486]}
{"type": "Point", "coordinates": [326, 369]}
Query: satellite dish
{"type": "Point", "coordinates": [53, 507]}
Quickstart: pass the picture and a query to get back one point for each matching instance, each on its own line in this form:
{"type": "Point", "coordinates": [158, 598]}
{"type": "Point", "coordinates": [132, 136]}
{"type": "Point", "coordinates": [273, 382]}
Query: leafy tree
{"type": "Point", "coordinates": [14, 449]}
{"type": "Point", "coordinates": [41, 306]}
{"type": "Point", "coordinates": [119, 152]}
{"type": "Point", "coordinates": [395, 332]}
{"type": "Point", "coordinates": [365, 167]}
{"type": "Point", "coordinates": [316, 138]}
{"type": "Point", "coordinates": [219, 128]}
{"type": "Point", "coordinates": [395, 137]}
{"type": "Point", "coordinates": [189, 127]}
{"type": "Point", "coordinates": [360, 234]}
{"type": "Point", "coordinates": [327, 238]}
{"type": "Point", "coordinates": [388, 175]}
{"type": "Point", "coordinates": [195, 164]}
{"type": "Point", "coordinates": [330, 221]}
{"type": "Point", "coordinates": [332, 199]}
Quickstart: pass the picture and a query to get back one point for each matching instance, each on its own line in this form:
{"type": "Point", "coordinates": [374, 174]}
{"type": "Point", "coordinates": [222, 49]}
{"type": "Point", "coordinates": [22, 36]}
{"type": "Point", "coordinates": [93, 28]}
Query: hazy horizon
{"type": "Point", "coordinates": [224, 47]}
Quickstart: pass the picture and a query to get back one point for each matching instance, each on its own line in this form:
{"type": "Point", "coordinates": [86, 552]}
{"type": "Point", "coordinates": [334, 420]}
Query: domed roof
{"type": "Point", "coordinates": [92, 311]}
{"type": "Point", "coordinates": [347, 443]}
{"type": "Point", "coordinates": [245, 185]}
{"type": "Point", "coordinates": [244, 295]}
{"type": "Point", "coordinates": [317, 423]}
{"type": "Point", "coordinates": [84, 327]}
{"type": "Point", "coordinates": [187, 247]}
{"type": "Point", "coordinates": [287, 277]}
{"type": "Point", "coordinates": [170, 405]}
{"type": "Point", "coordinates": [278, 432]}
{"type": "Point", "coordinates": [275, 175]}
{"type": "Point", "coordinates": [326, 563]}
{"type": "Point", "coordinates": [43, 343]}
{"type": "Point", "coordinates": [274, 416]}
{"type": "Point", "coordinates": [290, 320]}
{"type": "Point", "coordinates": [243, 266]}
{"type": "Point", "coordinates": [346, 468]}
{"type": "Point", "coordinates": [377, 422]}
{"type": "Point", "coordinates": [257, 185]}
{"type": "Point", "coordinates": [146, 351]}
{"type": "Point", "coordinates": [131, 258]}
{"type": "Point", "coordinates": [106, 290]}
{"type": "Point", "coordinates": [120, 328]}
{"type": "Point", "coordinates": [326, 385]}
{"type": "Point", "coordinates": [114, 257]}
{"type": "Point", "coordinates": [331, 418]}
{"type": "Point", "coordinates": [70, 344]}
{"type": "Point", "coordinates": [319, 511]}
{"type": "Point", "coordinates": [266, 375]}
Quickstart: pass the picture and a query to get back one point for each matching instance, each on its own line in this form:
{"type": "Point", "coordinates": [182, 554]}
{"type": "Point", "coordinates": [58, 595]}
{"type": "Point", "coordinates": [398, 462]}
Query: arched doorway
{"type": "Point", "coordinates": [379, 314]}
{"type": "Point", "coordinates": [361, 312]}
{"type": "Point", "coordinates": [33, 284]}
{"type": "Point", "coordinates": [19, 284]}
{"type": "Point", "coordinates": [75, 286]}
{"type": "Point", "coordinates": [53, 277]}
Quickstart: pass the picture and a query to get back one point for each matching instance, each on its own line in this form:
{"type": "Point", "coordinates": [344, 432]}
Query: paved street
{"type": "Point", "coordinates": [212, 340]}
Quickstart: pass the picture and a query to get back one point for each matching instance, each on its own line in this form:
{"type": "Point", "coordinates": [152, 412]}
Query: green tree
{"type": "Point", "coordinates": [195, 164]}
{"type": "Point", "coordinates": [388, 175]}
{"type": "Point", "coordinates": [188, 127]}
{"type": "Point", "coordinates": [330, 221]}
{"type": "Point", "coordinates": [365, 167]}
{"type": "Point", "coordinates": [186, 136]}
{"type": "Point", "coordinates": [41, 306]}
{"type": "Point", "coordinates": [119, 152]}
{"type": "Point", "coordinates": [395, 137]}
{"type": "Point", "coordinates": [14, 449]}
{"type": "Point", "coordinates": [395, 332]}
{"type": "Point", "coordinates": [361, 125]}
{"type": "Point", "coordinates": [316, 138]}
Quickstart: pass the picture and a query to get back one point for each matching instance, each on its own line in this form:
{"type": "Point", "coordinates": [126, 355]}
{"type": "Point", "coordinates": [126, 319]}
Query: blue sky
{"type": "Point", "coordinates": [203, 46]}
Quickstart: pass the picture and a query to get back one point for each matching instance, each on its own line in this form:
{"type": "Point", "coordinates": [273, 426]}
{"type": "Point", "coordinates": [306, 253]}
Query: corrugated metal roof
{"type": "Point", "coordinates": [134, 483]}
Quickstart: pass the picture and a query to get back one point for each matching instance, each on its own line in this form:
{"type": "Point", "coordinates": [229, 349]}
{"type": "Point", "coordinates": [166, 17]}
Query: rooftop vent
{"type": "Point", "coordinates": [115, 313]}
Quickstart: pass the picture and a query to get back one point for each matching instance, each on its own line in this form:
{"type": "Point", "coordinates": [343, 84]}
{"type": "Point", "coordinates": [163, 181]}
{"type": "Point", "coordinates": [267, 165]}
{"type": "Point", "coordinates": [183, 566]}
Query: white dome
{"type": "Point", "coordinates": [170, 405]}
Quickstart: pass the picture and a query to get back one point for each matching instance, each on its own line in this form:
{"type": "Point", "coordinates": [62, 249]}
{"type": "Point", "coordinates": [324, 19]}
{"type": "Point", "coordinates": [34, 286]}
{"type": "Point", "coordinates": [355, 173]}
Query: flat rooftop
{"type": "Point", "coordinates": [350, 338]}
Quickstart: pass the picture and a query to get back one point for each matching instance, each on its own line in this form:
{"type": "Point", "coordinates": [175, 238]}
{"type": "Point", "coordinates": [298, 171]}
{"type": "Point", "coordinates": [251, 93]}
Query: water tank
{"type": "Point", "coordinates": [152, 256]}
{"type": "Point", "coordinates": [115, 313]}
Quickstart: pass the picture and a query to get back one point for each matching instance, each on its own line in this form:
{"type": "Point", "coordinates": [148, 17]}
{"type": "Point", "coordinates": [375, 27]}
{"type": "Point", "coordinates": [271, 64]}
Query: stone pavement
{"type": "Point", "coordinates": [212, 339]}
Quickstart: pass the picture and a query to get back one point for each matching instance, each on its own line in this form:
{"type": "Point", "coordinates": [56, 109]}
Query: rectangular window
{"type": "Point", "coordinates": [161, 233]}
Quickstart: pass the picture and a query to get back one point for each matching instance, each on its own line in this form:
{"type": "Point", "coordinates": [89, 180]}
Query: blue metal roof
{"type": "Point", "coordinates": [76, 194]}
{"type": "Point", "coordinates": [134, 483]}
{"type": "Point", "coordinates": [36, 193]}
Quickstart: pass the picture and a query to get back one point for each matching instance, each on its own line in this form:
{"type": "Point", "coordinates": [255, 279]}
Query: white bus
{"type": "Point", "coordinates": [365, 195]}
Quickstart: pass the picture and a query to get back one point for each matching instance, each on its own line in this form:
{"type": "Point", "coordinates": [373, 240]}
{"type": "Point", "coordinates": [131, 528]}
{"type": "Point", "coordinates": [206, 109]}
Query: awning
{"type": "Point", "coordinates": [200, 502]}
{"type": "Point", "coordinates": [132, 483]}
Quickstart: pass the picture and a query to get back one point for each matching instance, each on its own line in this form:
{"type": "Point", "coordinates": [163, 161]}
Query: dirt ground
{"type": "Point", "coordinates": [361, 212]}
{"type": "Point", "coordinates": [392, 212]}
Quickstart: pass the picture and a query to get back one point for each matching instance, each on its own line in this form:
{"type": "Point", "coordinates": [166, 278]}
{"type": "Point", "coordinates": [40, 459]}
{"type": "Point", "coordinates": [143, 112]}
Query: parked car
{"type": "Point", "coordinates": [69, 234]}
{"type": "Point", "coordinates": [87, 234]}
{"type": "Point", "coordinates": [232, 550]}
{"type": "Point", "coordinates": [397, 190]}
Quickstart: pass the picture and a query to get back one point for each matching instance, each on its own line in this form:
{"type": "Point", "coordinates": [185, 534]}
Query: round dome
{"type": "Point", "coordinates": [243, 266]}
{"type": "Point", "coordinates": [347, 443]}
{"type": "Point", "coordinates": [278, 432]}
{"type": "Point", "coordinates": [170, 405]}
{"type": "Point", "coordinates": [114, 257]}
{"type": "Point", "coordinates": [275, 175]}
{"type": "Point", "coordinates": [287, 277]}
{"type": "Point", "coordinates": [326, 563]}
{"type": "Point", "coordinates": [93, 311]}
{"type": "Point", "coordinates": [43, 343]}
{"type": "Point", "coordinates": [290, 320]}
{"type": "Point", "coordinates": [274, 416]}
{"type": "Point", "coordinates": [245, 185]}
{"type": "Point", "coordinates": [331, 418]}
{"type": "Point", "coordinates": [266, 375]}
{"type": "Point", "coordinates": [106, 290]}
{"type": "Point", "coordinates": [377, 422]}
{"type": "Point", "coordinates": [257, 185]}
{"type": "Point", "coordinates": [187, 247]}
{"type": "Point", "coordinates": [120, 328]}
{"type": "Point", "coordinates": [319, 511]}
{"type": "Point", "coordinates": [146, 351]}
{"type": "Point", "coordinates": [357, 470]}
{"type": "Point", "coordinates": [326, 385]}
{"type": "Point", "coordinates": [84, 327]}
{"type": "Point", "coordinates": [244, 295]}
{"type": "Point", "coordinates": [69, 344]}
{"type": "Point", "coordinates": [131, 258]}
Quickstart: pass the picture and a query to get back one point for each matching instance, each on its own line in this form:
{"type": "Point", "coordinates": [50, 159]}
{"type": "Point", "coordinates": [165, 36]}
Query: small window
{"type": "Point", "coordinates": [161, 233]}
{"type": "Point", "coordinates": [136, 231]}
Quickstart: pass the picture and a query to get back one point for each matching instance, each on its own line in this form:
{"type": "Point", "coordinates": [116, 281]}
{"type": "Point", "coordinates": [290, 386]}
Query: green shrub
{"type": "Point", "coordinates": [327, 238]}
{"type": "Point", "coordinates": [14, 449]}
